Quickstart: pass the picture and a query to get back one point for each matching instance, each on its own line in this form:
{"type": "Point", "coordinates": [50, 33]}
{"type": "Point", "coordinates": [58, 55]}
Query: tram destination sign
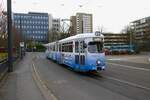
{"type": "Point", "coordinates": [97, 39]}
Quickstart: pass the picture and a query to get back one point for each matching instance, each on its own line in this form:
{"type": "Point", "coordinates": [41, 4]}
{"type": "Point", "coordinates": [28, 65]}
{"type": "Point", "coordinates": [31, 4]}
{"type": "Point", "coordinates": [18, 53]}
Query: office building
{"type": "Point", "coordinates": [141, 28]}
{"type": "Point", "coordinates": [73, 25]}
{"type": "Point", "coordinates": [56, 25]}
{"type": "Point", "coordinates": [117, 43]}
{"type": "Point", "coordinates": [82, 23]}
{"type": "Point", "coordinates": [142, 32]}
{"type": "Point", "coordinates": [32, 26]}
{"type": "Point", "coordinates": [115, 39]}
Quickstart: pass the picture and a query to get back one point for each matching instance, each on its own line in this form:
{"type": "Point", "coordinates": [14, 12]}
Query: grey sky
{"type": "Point", "coordinates": [113, 15]}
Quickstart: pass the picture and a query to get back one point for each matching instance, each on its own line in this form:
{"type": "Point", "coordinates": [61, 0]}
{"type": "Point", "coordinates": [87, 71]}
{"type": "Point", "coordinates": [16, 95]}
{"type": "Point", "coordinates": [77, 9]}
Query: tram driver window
{"type": "Point", "coordinates": [95, 47]}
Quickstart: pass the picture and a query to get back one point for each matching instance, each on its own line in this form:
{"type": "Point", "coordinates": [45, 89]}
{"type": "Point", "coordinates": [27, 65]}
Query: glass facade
{"type": "Point", "coordinates": [33, 26]}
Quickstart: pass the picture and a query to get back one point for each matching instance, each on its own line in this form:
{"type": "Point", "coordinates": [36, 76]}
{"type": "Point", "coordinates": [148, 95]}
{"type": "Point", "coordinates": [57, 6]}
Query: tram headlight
{"type": "Point", "coordinates": [98, 62]}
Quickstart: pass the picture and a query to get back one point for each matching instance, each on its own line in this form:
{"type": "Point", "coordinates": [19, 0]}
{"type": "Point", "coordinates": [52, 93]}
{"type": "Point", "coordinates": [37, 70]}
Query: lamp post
{"type": "Point", "coordinates": [9, 30]}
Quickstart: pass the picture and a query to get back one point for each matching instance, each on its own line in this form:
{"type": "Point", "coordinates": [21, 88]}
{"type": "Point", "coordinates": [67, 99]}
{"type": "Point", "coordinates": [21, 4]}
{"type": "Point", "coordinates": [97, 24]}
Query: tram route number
{"type": "Point", "coordinates": [97, 33]}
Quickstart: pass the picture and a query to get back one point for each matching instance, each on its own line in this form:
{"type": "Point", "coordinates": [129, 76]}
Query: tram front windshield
{"type": "Point", "coordinates": [95, 47]}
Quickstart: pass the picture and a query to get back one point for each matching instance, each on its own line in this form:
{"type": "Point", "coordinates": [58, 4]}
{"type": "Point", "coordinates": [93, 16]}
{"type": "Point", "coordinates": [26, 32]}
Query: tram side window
{"type": "Point", "coordinates": [56, 47]}
{"type": "Point", "coordinates": [59, 47]}
{"type": "Point", "coordinates": [63, 48]}
{"type": "Point", "coordinates": [50, 48]}
{"type": "Point", "coordinates": [67, 47]}
{"type": "Point", "coordinates": [82, 50]}
{"type": "Point", "coordinates": [70, 49]}
{"type": "Point", "coordinates": [76, 47]}
{"type": "Point", "coordinates": [53, 47]}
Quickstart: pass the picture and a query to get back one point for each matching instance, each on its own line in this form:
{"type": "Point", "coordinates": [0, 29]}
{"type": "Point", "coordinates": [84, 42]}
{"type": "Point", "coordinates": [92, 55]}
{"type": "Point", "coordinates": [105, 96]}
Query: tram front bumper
{"type": "Point", "coordinates": [100, 67]}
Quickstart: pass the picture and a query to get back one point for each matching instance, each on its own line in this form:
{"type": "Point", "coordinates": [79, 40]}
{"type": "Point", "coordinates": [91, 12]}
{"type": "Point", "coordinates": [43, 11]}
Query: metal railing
{"type": "Point", "coordinates": [3, 67]}
{"type": "Point", "coordinates": [4, 63]}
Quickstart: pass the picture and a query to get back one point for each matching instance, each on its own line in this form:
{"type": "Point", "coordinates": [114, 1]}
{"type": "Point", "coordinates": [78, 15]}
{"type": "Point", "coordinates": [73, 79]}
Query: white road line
{"type": "Point", "coordinates": [149, 59]}
{"type": "Point", "coordinates": [131, 67]}
{"type": "Point", "coordinates": [44, 89]}
{"type": "Point", "coordinates": [116, 59]}
{"type": "Point", "coordinates": [129, 83]}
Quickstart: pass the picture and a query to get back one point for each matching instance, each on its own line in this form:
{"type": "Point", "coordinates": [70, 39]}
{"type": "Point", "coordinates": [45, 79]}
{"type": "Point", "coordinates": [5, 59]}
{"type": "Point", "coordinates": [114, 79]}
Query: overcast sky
{"type": "Point", "coordinates": [112, 15]}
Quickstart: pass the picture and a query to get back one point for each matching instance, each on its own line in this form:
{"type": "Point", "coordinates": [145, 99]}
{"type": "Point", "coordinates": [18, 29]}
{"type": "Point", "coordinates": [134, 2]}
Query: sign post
{"type": "Point", "coordinates": [21, 49]}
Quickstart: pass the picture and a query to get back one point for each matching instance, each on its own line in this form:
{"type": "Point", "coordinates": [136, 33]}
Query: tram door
{"type": "Point", "coordinates": [79, 53]}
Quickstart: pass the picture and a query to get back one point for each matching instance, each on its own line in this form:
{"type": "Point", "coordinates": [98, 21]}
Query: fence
{"type": "Point", "coordinates": [4, 63]}
{"type": "Point", "coordinates": [3, 67]}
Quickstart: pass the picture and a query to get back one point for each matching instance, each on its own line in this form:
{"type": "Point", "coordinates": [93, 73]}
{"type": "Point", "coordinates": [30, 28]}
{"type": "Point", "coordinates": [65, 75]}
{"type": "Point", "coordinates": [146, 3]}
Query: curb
{"type": "Point", "coordinates": [3, 77]}
{"type": "Point", "coordinates": [46, 92]}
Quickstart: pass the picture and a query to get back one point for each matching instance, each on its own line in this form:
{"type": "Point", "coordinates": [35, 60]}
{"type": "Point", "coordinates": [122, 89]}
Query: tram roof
{"type": "Point", "coordinates": [78, 36]}
{"type": "Point", "coordinates": [83, 35]}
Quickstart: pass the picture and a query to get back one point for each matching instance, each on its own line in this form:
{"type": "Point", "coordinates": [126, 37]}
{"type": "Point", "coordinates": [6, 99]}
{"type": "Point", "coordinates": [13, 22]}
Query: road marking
{"type": "Point", "coordinates": [43, 87]}
{"type": "Point", "coordinates": [131, 67]}
{"type": "Point", "coordinates": [116, 59]}
{"type": "Point", "coordinates": [129, 83]}
{"type": "Point", "coordinates": [149, 59]}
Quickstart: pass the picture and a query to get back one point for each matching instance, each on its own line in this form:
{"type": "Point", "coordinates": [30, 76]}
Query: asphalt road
{"type": "Point", "coordinates": [122, 80]}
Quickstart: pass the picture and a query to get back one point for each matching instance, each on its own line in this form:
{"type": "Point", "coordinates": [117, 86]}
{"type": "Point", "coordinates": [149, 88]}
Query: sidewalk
{"type": "Point", "coordinates": [145, 53]}
{"type": "Point", "coordinates": [20, 85]}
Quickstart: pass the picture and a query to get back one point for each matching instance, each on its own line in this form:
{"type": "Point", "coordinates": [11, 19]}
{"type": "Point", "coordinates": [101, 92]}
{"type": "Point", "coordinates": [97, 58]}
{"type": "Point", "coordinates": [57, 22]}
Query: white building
{"type": "Point", "coordinates": [50, 21]}
{"type": "Point", "coordinates": [56, 25]}
{"type": "Point", "coordinates": [84, 23]}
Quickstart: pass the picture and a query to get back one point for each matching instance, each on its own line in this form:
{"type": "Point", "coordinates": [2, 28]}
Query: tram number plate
{"type": "Point", "coordinates": [97, 33]}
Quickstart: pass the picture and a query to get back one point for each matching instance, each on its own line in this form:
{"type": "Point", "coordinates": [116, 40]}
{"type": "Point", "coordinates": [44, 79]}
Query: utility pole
{"type": "Point", "coordinates": [130, 39]}
{"type": "Point", "coordinates": [9, 30]}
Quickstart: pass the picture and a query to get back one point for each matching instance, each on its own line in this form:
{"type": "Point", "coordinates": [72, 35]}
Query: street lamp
{"type": "Point", "coordinates": [9, 30]}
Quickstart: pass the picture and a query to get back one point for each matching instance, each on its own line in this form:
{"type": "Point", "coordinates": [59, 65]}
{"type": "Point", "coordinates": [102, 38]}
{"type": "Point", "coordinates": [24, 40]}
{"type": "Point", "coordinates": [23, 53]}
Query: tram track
{"type": "Point", "coordinates": [127, 87]}
{"type": "Point", "coordinates": [122, 87]}
{"type": "Point", "coordinates": [98, 76]}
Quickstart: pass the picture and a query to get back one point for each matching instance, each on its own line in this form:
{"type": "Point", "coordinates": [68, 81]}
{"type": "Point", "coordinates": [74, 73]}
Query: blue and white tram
{"type": "Point", "coordinates": [82, 52]}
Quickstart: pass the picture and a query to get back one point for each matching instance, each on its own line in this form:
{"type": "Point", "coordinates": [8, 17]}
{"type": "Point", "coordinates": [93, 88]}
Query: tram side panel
{"type": "Point", "coordinates": [68, 59]}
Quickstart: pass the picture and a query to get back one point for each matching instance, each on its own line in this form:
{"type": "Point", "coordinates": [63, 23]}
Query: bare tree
{"type": "Point", "coordinates": [130, 34]}
{"type": "Point", "coordinates": [16, 37]}
{"type": "Point", "coordinates": [3, 32]}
